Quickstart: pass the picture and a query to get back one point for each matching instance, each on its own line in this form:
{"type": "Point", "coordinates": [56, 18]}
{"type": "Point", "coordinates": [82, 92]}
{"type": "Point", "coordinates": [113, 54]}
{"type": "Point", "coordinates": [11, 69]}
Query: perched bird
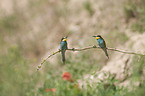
{"type": "Point", "coordinates": [63, 47]}
{"type": "Point", "coordinates": [101, 43]}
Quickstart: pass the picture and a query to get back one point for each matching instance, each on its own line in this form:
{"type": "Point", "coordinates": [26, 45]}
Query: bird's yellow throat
{"type": "Point", "coordinates": [97, 37]}
{"type": "Point", "coordinates": [64, 39]}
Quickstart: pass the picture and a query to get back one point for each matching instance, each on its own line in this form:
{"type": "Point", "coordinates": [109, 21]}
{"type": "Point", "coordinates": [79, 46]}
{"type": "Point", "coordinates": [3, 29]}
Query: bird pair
{"type": "Point", "coordinates": [100, 42]}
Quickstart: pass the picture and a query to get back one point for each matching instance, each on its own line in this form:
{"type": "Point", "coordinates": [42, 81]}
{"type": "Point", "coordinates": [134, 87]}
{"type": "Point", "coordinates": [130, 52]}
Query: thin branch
{"type": "Point", "coordinates": [47, 58]}
{"type": "Point", "coordinates": [91, 47]}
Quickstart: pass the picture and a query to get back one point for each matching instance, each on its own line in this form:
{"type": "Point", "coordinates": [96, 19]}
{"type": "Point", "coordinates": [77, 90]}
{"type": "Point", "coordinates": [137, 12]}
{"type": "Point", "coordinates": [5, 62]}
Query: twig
{"type": "Point", "coordinates": [47, 58]}
{"type": "Point", "coordinates": [125, 52]}
{"type": "Point", "coordinates": [91, 47]}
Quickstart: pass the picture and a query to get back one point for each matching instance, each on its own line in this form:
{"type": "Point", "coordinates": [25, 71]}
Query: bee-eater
{"type": "Point", "coordinates": [101, 43]}
{"type": "Point", "coordinates": [63, 47]}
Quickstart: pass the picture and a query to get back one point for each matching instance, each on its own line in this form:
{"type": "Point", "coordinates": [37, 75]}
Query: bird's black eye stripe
{"type": "Point", "coordinates": [62, 39]}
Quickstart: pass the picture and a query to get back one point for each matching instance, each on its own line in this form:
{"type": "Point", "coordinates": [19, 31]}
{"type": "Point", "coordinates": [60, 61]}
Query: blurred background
{"type": "Point", "coordinates": [32, 29]}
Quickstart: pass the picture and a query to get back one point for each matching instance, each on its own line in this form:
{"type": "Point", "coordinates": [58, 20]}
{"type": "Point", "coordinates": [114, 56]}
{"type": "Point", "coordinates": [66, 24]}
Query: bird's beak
{"type": "Point", "coordinates": [96, 37]}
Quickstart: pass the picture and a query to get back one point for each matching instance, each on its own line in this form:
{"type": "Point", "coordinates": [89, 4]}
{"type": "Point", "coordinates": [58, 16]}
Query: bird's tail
{"type": "Point", "coordinates": [105, 50]}
{"type": "Point", "coordinates": [63, 56]}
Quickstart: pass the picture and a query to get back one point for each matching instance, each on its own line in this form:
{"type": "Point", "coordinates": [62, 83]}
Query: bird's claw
{"type": "Point", "coordinates": [73, 49]}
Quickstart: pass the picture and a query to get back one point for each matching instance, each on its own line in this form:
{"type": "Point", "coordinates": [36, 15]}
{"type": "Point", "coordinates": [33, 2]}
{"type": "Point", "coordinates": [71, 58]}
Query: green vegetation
{"type": "Point", "coordinates": [138, 65]}
{"type": "Point", "coordinates": [105, 87]}
{"type": "Point", "coordinates": [138, 92]}
{"type": "Point", "coordinates": [136, 9]}
{"type": "Point", "coordinates": [15, 78]}
{"type": "Point", "coordinates": [78, 70]}
{"type": "Point", "coordinates": [88, 7]}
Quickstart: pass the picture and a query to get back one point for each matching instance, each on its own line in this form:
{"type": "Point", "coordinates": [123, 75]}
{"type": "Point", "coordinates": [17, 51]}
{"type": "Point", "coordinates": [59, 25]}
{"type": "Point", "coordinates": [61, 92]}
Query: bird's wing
{"type": "Point", "coordinates": [104, 42]}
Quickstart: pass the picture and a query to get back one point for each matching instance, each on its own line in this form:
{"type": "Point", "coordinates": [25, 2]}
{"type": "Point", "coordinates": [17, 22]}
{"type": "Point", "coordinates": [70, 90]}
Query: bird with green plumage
{"type": "Point", "coordinates": [63, 47]}
{"type": "Point", "coordinates": [101, 42]}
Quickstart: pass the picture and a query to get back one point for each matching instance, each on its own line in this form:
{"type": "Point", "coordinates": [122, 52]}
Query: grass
{"type": "Point", "coordinates": [138, 92]}
{"type": "Point", "coordinates": [137, 64]}
{"type": "Point", "coordinates": [66, 88]}
{"type": "Point", "coordinates": [14, 78]}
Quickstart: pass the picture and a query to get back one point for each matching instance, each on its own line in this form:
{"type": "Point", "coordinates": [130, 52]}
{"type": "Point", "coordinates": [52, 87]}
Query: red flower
{"type": "Point", "coordinates": [47, 90]}
{"type": "Point", "coordinates": [67, 76]}
{"type": "Point", "coordinates": [51, 89]}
